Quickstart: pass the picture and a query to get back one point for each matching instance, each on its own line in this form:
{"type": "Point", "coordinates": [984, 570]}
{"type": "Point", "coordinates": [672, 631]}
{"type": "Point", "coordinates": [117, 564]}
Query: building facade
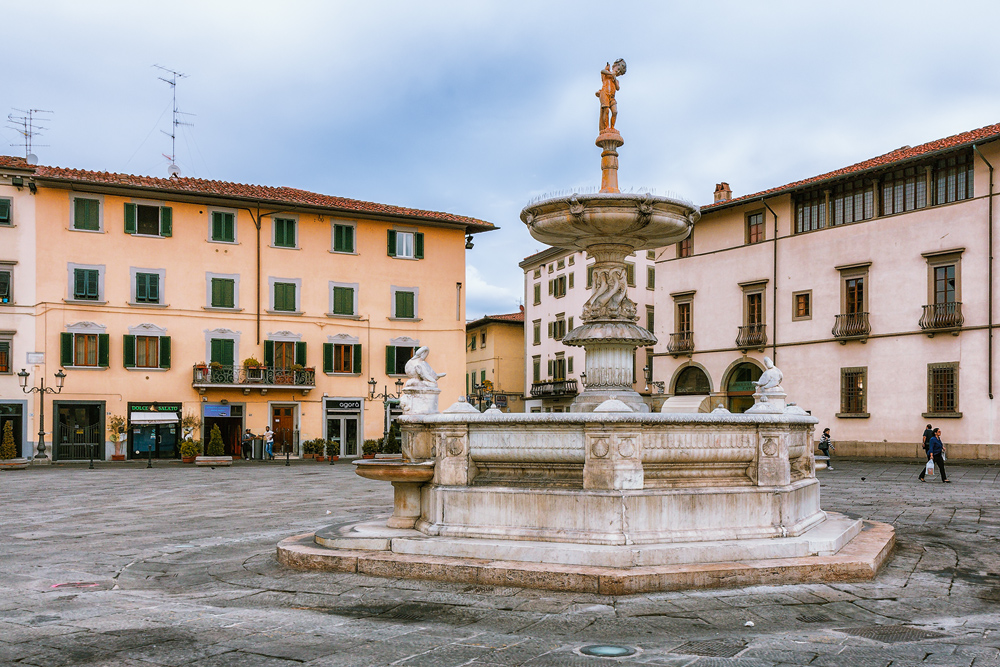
{"type": "Point", "coordinates": [871, 287]}
{"type": "Point", "coordinates": [556, 285]}
{"type": "Point", "coordinates": [237, 306]}
{"type": "Point", "coordinates": [494, 360]}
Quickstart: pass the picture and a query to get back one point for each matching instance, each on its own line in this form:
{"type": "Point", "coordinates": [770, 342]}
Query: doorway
{"type": "Point", "coordinates": [13, 414]}
{"type": "Point", "coordinates": [79, 432]}
{"type": "Point", "coordinates": [283, 426]}
{"type": "Point", "coordinates": [229, 419]}
{"type": "Point", "coordinates": [740, 387]}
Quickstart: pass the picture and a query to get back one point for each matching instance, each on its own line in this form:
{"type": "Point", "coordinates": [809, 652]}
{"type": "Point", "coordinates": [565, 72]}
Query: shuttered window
{"type": "Point", "coordinates": [222, 351]}
{"type": "Point", "coordinates": [223, 226]}
{"type": "Point", "coordinates": [146, 351]}
{"type": "Point", "coordinates": [86, 284]}
{"type": "Point", "coordinates": [5, 212]}
{"type": "Point", "coordinates": [82, 349]}
{"type": "Point", "coordinates": [223, 293]}
{"type": "Point", "coordinates": [342, 358]}
{"type": "Point", "coordinates": [284, 232]}
{"type": "Point", "coordinates": [343, 238]}
{"type": "Point", "coordinates": [147, 220]}
{"type": "Point", "coordinates": [6, 294]}
{"type": "Point", "coordinates": [87, 214]}
{"type": "Point", "coordinates": [147, 288]}
{"type": "Point", "coordinates": [343, 300]}
{"type": "Point", "coordinates": [396, 358]}
{"type": "Point", "coordinates": [405, 305]}
{"type": "Point", "coordinates": [284, 297]}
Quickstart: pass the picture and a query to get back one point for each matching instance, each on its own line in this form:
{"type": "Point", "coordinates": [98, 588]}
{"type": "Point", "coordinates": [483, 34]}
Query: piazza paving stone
{"type": "Point", "coordinates": [121, 565]}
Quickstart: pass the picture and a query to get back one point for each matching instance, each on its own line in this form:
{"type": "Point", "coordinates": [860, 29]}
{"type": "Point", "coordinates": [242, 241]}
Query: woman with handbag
{"type": "Point", "coordinates": [935, 448]}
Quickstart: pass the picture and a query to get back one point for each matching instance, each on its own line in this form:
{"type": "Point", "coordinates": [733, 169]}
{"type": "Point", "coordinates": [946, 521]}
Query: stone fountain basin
{"type": "Point", "coordinates": [580, 221]}
{"type": "Point", "coordinates": [395, 470]}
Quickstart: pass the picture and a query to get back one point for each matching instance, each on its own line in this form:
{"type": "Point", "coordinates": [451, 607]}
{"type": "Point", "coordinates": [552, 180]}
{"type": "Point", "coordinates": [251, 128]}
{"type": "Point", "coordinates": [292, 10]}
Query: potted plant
{"type": "Point", "coordinates": [333, 450]}
{"type": "Point", "coordinates": [308, 452]}
{"type": "Point", "coordinates": [190, 450]}
{"type": "Point", "coordinates": [319, 448]}
{"type": "Point", "coordinates": [116, 433]}
{"type": "Point", "coordinates": [255, 369]}
{"type": "Point", "coordinates": [215, 451]}
{"type": "Point", "coordinates": [369, 449]}
{"type": "Point", "coordinates": [200, 371]}
{"type": "Point", "coordinates": [8, 450]}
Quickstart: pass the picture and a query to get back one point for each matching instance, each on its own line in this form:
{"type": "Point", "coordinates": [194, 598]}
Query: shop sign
{"type": "Point", "coordinates": [353, 406]}
{"type": "Point", "coordinates": [149, 407]}
{"type": "Point", "coordinates": [216, 410]}
{"type": "Point", "coordinates": [500, 400]}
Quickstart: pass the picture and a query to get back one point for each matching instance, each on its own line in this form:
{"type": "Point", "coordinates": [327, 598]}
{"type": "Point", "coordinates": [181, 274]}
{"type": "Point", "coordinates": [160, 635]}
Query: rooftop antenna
{"type": "Point", "coordinates": [25, 126]}
{"type": "Point", "coordinates": [173, 169]}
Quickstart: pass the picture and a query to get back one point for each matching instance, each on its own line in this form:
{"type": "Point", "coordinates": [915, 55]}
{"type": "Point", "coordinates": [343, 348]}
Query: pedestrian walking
{"type": "Point", "coordinates": [928, 434]}
{"type": "Point", "coordinates": [269, 442]}
{"type": "Point", "coordinates": [935, 447]}
{"type": "Point", "coordinates": [247, 445]}
{"type": "Point", "coordinates": [826, 446]}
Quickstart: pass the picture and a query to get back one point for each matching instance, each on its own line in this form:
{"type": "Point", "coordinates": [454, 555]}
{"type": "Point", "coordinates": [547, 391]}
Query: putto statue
{"type": "Point", "coordinates": [419, 373]}
{"type": "Point", "coordinates": [609, 86]}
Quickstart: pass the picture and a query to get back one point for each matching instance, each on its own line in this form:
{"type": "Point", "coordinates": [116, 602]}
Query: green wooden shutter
{"type": "Point", "coordinates": [356, 358]}
{"type": "Point", "coordinates": [228, 352]}
{"type": "Point", "coordinates": [164, 351]}
{"type": "Point", "coordinates": [348, 238]}
{"type": "Point", "coordinates": [327, 357]}
{"type": "Point", "coordinates": [300, 353]}
{"type": "Point", "coordinates": [66, 349]}
{"type": "Point", "coordinates": [79, 284]}
{"type": "Point", "coordinates": [569, 365]}
{"type": "Point", "coordinates": [153, 291]}
{"type": "Point", "coordinates": [140, 287]}
{"type": "Point", "coordinates": [392, 243]}
{"type": "Point", "coordinates": [166, 221]}
{"type": "Point", "coordinates": [418, 245]}
{"type": "Point", "coordinates": [93, 283]}
{"type": "Point", "coordinates": [130, 212]}
{"type": "Point", "coordinates": [390, 360]}
{"type": "Point", "coordinates": [404, 304]}
{"type": "Point", "coordinates": [550, 368]}
{"type": "Point", "coordinates": [103, 350]}
{"type": "Point", "coordinates": [128, 351]}
{"type": "Point", "coordinates": [216, 351]}
{"type": "Point", "coordinates": [269, 353]}
{"type": "Point", "coordinates": [5, 211]}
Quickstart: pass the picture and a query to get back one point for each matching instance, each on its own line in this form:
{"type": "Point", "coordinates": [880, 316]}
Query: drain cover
{"type": "Point", "coordinates": [890, 634]}
{"type": "Point", "coordinates": [712, 648]}
{"type": "Point", "coordinates": [607, 651]}
{"type": "Point", "coordinates": [814, 618]}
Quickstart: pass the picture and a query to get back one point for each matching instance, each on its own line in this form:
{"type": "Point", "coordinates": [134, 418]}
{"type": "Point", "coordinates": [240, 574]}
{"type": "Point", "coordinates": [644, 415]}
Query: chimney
{"type": "Point", "coordinates": [522, 308]}
{"type": "Point", "coordinates": [723, 192]}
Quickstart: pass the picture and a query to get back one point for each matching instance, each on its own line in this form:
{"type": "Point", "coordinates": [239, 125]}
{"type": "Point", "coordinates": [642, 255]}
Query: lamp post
{"type": "Point", "coordinates": [22, 377]}
{"type": "Point", "coordinates": [385, 396]}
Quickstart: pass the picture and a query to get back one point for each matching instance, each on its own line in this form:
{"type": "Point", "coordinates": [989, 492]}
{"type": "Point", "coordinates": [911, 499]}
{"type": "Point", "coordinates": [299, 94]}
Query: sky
{"type": "Point", "coordinates": [475, 107]}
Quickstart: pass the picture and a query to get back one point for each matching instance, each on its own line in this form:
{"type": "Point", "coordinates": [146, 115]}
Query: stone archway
{"type": "Point", "coordinates": [738, 384]}
{"type": "Point", "coordinates": [691, 380]}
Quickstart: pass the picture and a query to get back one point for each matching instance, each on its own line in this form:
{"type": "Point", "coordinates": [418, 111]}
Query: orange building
{"type": "Point", "coordinates": [234, 305]}
{"type": "Point", "coordinates": [494, 353]}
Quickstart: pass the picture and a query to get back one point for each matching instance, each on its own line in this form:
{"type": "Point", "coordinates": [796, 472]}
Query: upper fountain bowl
{"type": "Point", "coordinates": [642, 221]}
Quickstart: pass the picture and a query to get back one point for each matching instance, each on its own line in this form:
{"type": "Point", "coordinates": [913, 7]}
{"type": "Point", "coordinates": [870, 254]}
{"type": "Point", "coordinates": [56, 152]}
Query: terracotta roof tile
{"type": "Point", "coordinates": [486, 319]}
{"type": "Point", "coordinates": [264, 194]}
{"type": "Point", "coordinates": [988, 133]}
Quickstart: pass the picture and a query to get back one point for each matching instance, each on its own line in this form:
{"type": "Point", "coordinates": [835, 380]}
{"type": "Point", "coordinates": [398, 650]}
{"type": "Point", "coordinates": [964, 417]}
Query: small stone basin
{"type": "Point", "coordinates": [416, 472]}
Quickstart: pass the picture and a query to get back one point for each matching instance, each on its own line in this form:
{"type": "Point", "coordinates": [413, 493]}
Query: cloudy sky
{"type": "Point", "coordinates": [474, 107]}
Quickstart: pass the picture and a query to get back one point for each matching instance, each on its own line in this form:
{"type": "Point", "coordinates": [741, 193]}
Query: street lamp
{"type": "Point", "coordinates": [385, 396]}
{"type": "Point", "coordinates": [22, 378]}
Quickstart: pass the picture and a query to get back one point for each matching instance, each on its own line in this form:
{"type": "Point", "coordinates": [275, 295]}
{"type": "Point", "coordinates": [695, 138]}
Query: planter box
{"type": "Point", "coordinates": [188, 459]}
{"type": "Point", "coordinates": [14, 464]}
{"type": "Point", "coordinates": [367, 456]}
{"type": "Point", "coordinates": [308, 456]}
{"type": "Point", "coordinates": [213, 461]}
{"type": "Point", "coordinates": [117, 457]}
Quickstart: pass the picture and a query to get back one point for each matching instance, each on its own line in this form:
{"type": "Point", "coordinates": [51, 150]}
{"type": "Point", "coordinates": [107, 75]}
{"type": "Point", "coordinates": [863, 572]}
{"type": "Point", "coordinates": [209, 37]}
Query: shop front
{"type": "Point", "coordinates": [154, 430]}
{"type": "Point", "coordinates": [79, 430]}
{"type": "Point", "coordinates": [344, 424]}
{"type": "Point", "coordinates": [229, 418]}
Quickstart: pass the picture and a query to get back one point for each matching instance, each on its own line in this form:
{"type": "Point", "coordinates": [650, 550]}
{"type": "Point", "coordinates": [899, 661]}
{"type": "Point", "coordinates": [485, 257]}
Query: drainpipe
{"type": "Point", "coordinates": [774, 287]}
{"type": "Point", "coordinates": [989, 286]}
{"type": "Point", "coordinates": [258, 225]}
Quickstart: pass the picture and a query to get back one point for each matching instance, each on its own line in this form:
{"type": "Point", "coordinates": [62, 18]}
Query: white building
{"type": "Point", "coordinates": [872, 288]}
{"type": "Point", "coordinates": [556, 285]}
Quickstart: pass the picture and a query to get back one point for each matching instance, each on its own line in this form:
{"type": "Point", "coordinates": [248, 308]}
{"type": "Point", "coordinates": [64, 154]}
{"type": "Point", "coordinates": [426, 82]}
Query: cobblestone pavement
{"type": "Point", "coordinates": [127, 566]}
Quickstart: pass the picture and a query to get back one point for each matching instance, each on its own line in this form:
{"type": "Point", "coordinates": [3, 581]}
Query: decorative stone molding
{"type": "Point", "coordinates": [86, 328]}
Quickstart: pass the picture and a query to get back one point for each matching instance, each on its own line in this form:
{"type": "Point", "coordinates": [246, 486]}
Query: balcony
{"type": "Point", "coordinates": [752, 336]}
{"type": "Point", "coordinates": [940, 317]}
{"type": "Point", "coordinates": [264, 378]}
{"type": "Point", "coordinates": [681, 342]}
{"type": "Point", "coordinates": [554, 388]}
{"type": "Point", "coordinates": [851, 326]}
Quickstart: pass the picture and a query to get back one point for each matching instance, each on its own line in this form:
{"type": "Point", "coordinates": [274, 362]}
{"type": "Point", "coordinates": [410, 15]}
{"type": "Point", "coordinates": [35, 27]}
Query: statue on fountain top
{"type": "Point", "coordinates": [770, 396]}
{"type": "Point", "coordinates": [419, 373]}
{"type": "Point", "coordinates": [770, 379]}
{"type": "Point", "coordinates": [609, 86]}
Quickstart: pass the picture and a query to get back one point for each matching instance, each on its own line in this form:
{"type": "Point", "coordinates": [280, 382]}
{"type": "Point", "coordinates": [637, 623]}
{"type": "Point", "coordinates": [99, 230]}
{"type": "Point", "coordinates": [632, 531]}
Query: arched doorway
{"type": "Point", "coordinates": [740, 387]}
{"type": "Point", "coordinates": [692, 381]}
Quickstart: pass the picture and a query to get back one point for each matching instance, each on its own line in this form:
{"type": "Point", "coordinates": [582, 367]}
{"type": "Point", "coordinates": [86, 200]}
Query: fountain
{"type": "Point", "coordinates": [609, 497]}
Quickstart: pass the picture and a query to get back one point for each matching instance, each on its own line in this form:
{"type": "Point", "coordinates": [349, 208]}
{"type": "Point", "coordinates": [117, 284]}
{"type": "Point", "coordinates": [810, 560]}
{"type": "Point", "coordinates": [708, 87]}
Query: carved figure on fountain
{"type": "Point", "coordinates": [420, 391]}
{"type": "Point", "coordinates": [609, 86]}
{"type": "Point", "coordinates": [609, 299]}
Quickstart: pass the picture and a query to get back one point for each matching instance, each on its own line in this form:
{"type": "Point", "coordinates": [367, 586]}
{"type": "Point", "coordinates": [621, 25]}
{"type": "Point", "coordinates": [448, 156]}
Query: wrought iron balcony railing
{"type": "Point", "coordinates": [752, 335]}
{"type": "Point", "coordinates": [681, 342]}
{"type": "Point", "coordinates": [554, 388]}
{"type": "Point", "coordinates": [263, 377]}
{"type": "Point", "coordinates": [942, 316]}
{"type": "Point", "coordinates": [851, 325]}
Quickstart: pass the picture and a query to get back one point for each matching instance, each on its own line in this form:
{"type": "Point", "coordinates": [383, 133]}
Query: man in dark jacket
{"type": "Point", "coordinates": [928, 434]}
{"type": "Point", "coordinates": [935, 450]}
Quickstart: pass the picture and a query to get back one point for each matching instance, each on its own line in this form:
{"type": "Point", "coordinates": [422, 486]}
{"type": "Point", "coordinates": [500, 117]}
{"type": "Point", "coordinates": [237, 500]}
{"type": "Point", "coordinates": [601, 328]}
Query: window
{"type": "Point", "coordinates": [5, 211]}
{"type": "Point", "coordinates": [87, 214]}
{"type": "Point", "coordinates": [222, 351]}
{"type": "Point", "coordinates": [944, 284]}
{"type": "Point", "coordinates": [684, 322]}
{"type": "Point", "coordinates": [569, 365]}
{"type": "Point", "coordinates": [86, 283]}
{"type": "Point", "coordinates": [343, 238]}
{"type": "Point", "coordinates": [561, 264]}
{"type": "Point", "coordinates": [536, 369]}
{"type": "Point", "coordinates": [222, 292]}
{"type": "Point", "coordinates": [5, 356]}
{"type": "Point", "coordinates": [6, 284]}
{"type": "Point", "coordinates": [223, 227]}
{"type": "Point", "coordinates": [557, 367]}
{"type": "Point", "coordinates": [686, 247]}
{"type": "Point", "coordinates": [283, 354]}
{"type": "Point", "coordinates": [630, 273]}
{"type": "Point", "coordinates": [284, 297]}
{"type": "Point", "coordinates": [942, 391]}
{"type": "Point", "coordinates": [342, 358]}
{"type": "Point", "coordinates": [537, 273]}
{"type": "Point", "coordinates": [147, 286]}
{"type": "Point", "coordinates": [146, 351]}
{"type": "Point", "coordinates": [572, 260]}
{"type": "Point", "coordinates": [482, 339]}
{"type": "Point", "coordinates": [404, 303]}
{"type": "Point", "coordinates": [755, 227]}
{"type": "Point", "coordinates": [557, 328]}
{"type": "Point", "coordinates": [852, 202]}
{"type": "Point", "coordinates": [406, 245]}
{"type": "Point", "coordinates": [344, 299]}
{"type": "Point", "coordinates": [84, 349]}
{"type": "Point", "coordinates": [650, 277]}
{"type": "Point", "coordinates": [570, 280]}
{"type": "Point", "coordinates": [538, 294]}
{"type": "Point", "coordinates": [472, 342]}
{"type": "Point", "coordinates": [590, 276]}
{"type": "Point", "coordinates": [903, 190]}
{"type": "Point", "coordinates": [753, 333]}
{"type": "Point", "coordinates": [650, 320]}
{"type": "Point", "coordinates": [396, 357]}
{"type": "Point", "coordinates": [284, 233]}
{"type": "Point", "coordinates": [536, 332]}
{"type": "Point", "coordinates": [810, 212]}
{"type": "Point", "coordinates": [802, 305]}
{"type": "Point", "coordinates": [148, 220]}
{"type": "Point", "coordinates": [650, 254]}
{"type": "Point", "coordinates": [953, 179]}
{"type": "Point", "coordinates": [557, 287]}
{"type": "Point", "coordinates": [754, 308]}
{"type": "Point", "coordinates": [853, 397]}
{"type": "Point", "coordinates": [854, 296]}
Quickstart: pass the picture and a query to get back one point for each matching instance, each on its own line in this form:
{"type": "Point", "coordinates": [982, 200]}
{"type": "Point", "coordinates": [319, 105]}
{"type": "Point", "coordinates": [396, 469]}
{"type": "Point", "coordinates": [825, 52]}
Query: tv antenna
{"type": "Point", "coordinates": [25, 126]}
{"type": "Point", "coordinates": [173, 169]}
